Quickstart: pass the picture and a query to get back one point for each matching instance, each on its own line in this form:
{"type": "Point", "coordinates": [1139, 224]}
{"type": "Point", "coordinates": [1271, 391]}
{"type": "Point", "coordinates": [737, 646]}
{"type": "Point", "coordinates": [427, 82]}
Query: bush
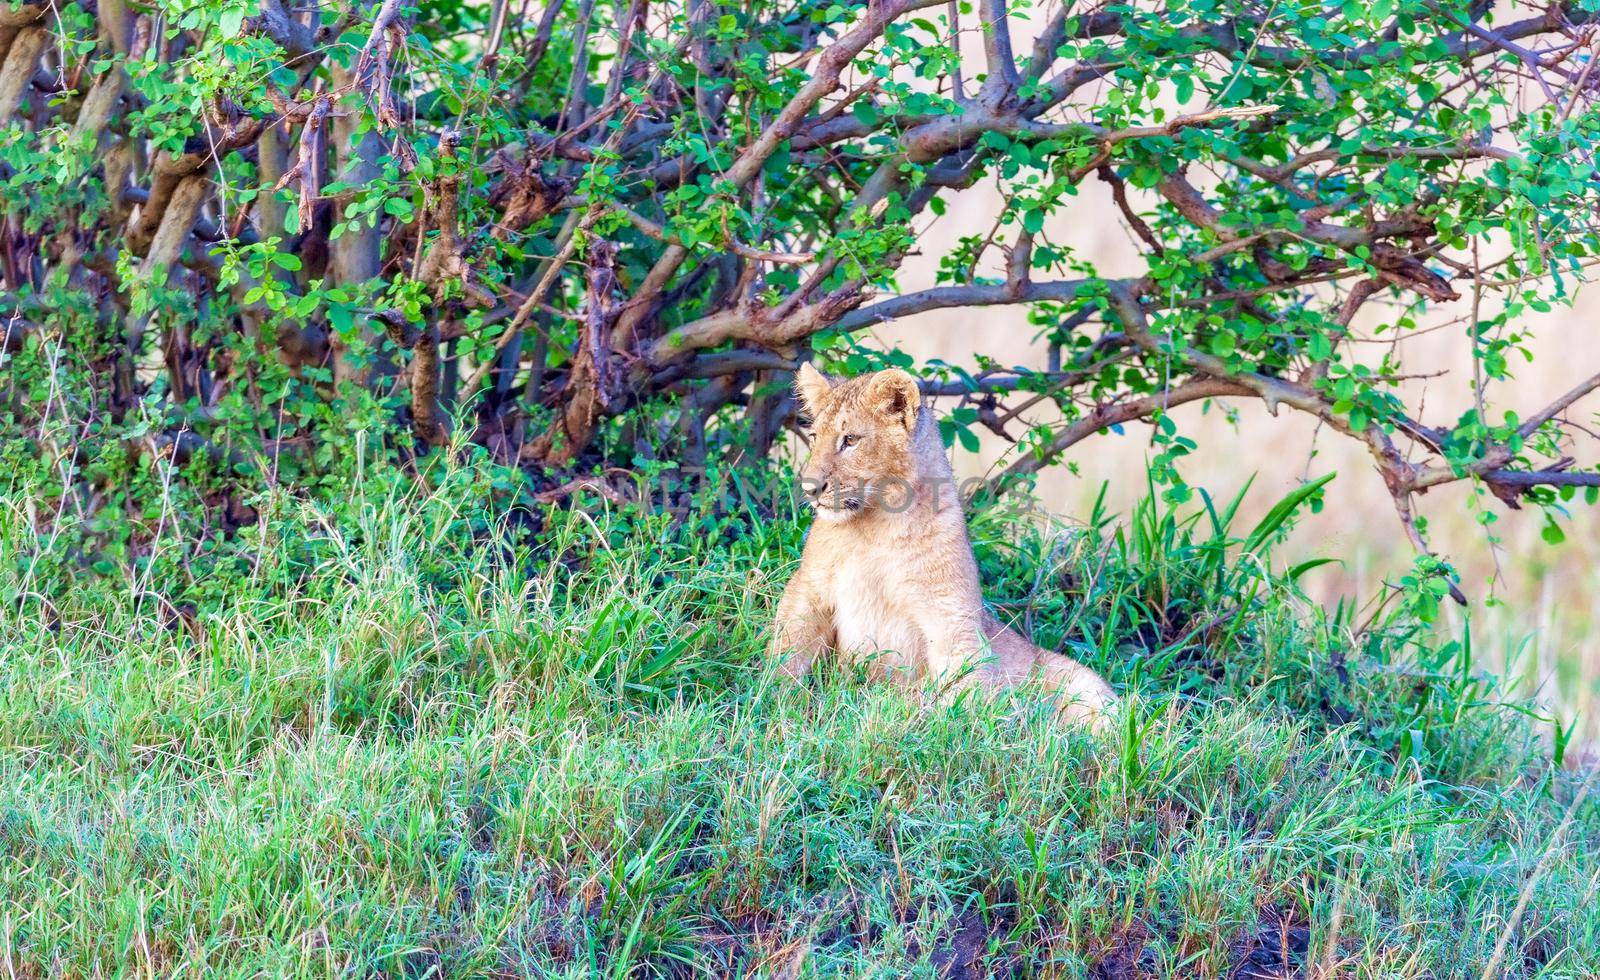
{"type": "Point", "coordinates": [239, 235]}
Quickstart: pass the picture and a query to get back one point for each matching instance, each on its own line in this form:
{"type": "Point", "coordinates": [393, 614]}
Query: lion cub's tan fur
{"type": "Point", "coordinates": [887, 568]}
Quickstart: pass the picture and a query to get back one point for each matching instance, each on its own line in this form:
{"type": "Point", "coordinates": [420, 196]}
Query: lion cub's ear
{"type": "Point", "coordinates": [895, 394]}
{"type": "Point", "coordinates": [812, 385]}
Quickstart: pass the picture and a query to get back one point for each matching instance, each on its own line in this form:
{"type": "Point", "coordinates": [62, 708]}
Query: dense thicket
{"type": "Point", "coordinates": [272, 241]}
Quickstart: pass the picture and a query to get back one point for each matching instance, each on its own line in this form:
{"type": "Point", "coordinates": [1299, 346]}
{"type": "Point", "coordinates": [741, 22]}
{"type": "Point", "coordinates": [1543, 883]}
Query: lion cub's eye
{"type": "Point", "coordinates": [846, 441]}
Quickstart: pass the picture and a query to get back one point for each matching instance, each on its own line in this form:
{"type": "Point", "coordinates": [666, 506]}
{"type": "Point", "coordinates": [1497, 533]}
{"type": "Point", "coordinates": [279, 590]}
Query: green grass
{"type": "Point", "coordinates": [381, 737]}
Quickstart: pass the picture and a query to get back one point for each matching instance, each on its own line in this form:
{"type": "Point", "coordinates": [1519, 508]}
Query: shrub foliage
{"type": "Point", "coordinates": [575, 233]}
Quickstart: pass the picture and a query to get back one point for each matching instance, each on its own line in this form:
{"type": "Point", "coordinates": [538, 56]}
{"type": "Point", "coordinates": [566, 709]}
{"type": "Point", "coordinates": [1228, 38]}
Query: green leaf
{"type": "Point", "coordinates": [230, 21]}
{"type": "Point", "coordinates": [1306, 566]}
{"type": "Point", "coordinates": [1552, 532]}
{"type": "Point", "coordinates": [341, 319]}
{"type": "Point", "coordinates": [1275, 518]}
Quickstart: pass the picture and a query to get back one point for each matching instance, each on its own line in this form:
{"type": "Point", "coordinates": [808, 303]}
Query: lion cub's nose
{"type": "Point", "coordinates": [814, 487]}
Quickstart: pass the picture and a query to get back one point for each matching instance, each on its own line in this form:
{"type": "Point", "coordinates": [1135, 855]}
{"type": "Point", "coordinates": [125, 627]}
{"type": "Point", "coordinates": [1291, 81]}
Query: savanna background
{"type": "Point", "coordinates": [1533, 605]}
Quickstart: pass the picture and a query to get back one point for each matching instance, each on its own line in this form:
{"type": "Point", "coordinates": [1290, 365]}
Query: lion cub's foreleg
{"type": "Point", "coordinates": [958, 654]}
{"type": "Point", "coordinates": [1082, 695]}
{"type": "Point", "coordinates": [803, 629]}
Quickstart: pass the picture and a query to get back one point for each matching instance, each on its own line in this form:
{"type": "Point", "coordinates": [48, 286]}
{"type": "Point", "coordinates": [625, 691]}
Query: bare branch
{"type": "Point", "coordinates": [659, 233]}
{"type": "Point", "coordinates": [1001, 79]}
{"type": "Point", "coordinates": [1107, 415]}
{"type": "Point", "coordinates": [1539, 418]}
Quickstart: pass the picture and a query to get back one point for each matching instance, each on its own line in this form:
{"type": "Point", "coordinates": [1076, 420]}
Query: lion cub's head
{"type": "Point", "coordinates": [861, 441]}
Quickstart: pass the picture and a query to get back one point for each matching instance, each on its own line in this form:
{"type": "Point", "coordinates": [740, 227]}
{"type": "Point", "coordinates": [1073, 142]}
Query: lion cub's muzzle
{"type": "Point", "coordinates": [833, 498]}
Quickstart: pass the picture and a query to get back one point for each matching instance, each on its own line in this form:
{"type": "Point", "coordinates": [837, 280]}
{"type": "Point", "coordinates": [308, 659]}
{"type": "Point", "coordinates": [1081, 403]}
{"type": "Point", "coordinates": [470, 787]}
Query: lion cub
{"type": "Point", "coordinates": [887, 568]}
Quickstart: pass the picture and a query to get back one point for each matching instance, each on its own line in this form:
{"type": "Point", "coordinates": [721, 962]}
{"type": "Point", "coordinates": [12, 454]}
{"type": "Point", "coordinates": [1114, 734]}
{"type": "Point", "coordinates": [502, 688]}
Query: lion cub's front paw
{"type": "Point", "coordinates": [1091, 710]}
